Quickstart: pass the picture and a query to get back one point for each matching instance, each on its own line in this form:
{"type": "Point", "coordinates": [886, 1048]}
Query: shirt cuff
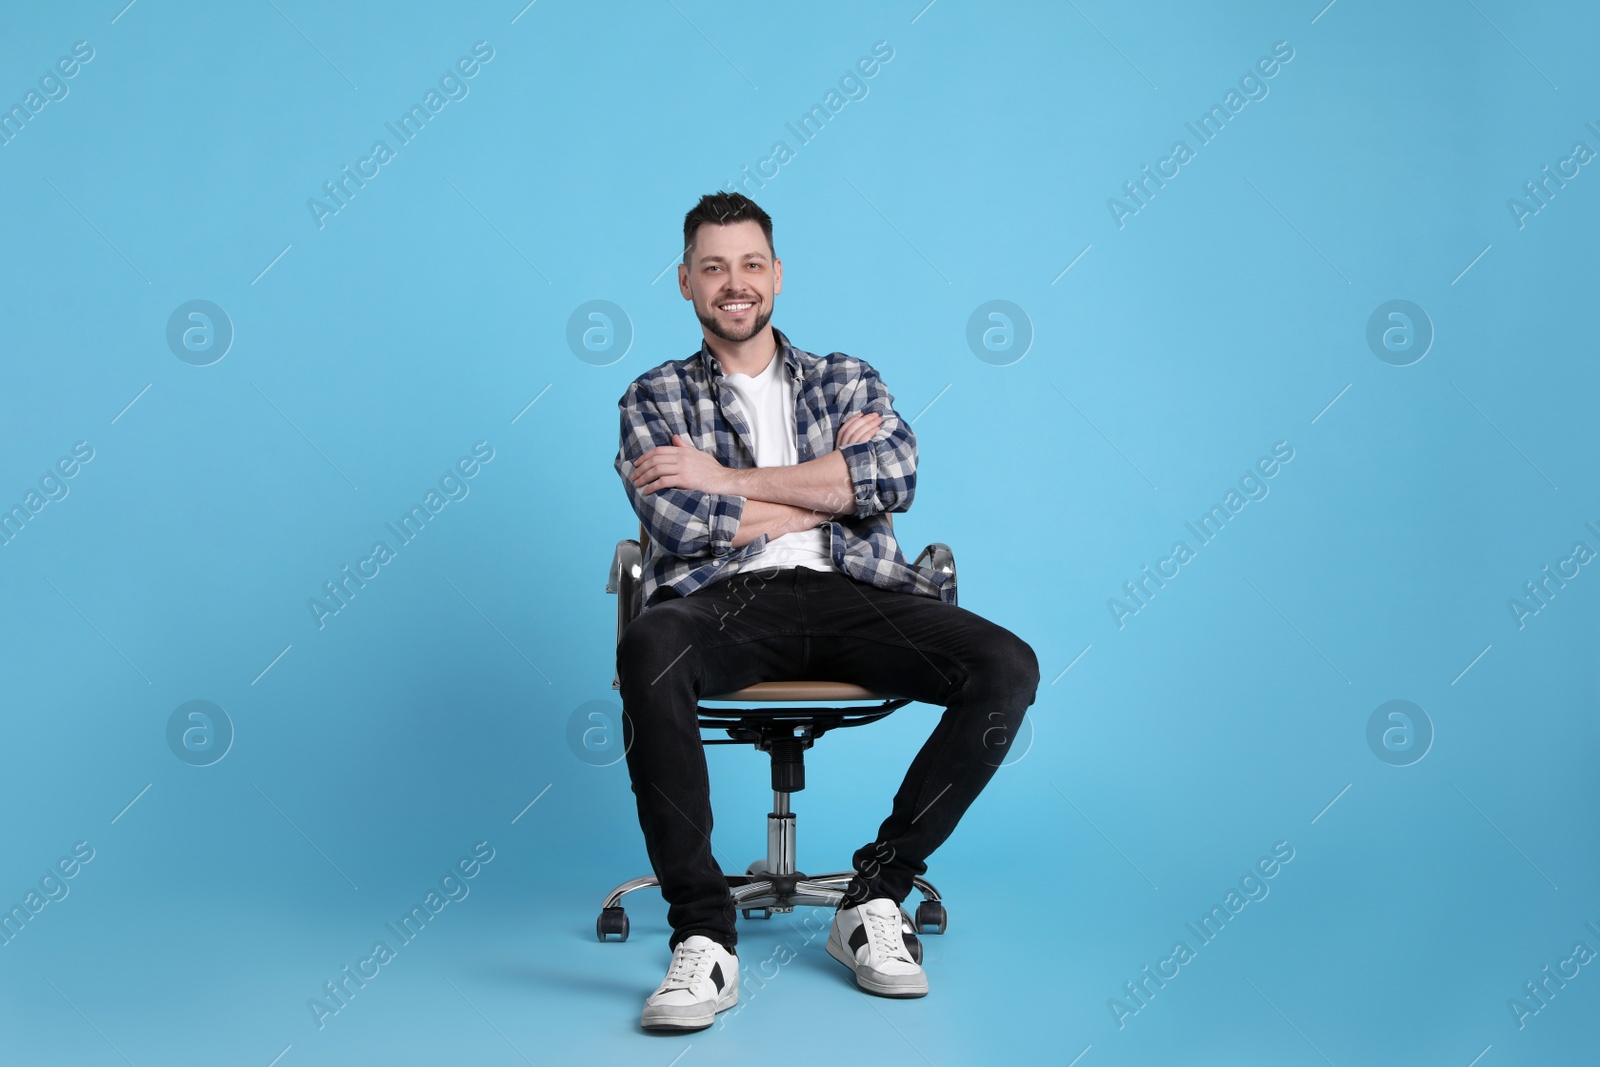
{"type": "Point", "coordinates": [723, 522]}
{"type": "Point", "coordinates": [862, 461]}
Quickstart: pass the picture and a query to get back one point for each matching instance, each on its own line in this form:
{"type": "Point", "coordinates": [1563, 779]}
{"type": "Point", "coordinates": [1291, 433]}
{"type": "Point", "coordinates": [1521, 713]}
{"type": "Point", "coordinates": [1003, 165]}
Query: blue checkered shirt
{"type": "Point", "coordinates": [691, 532]}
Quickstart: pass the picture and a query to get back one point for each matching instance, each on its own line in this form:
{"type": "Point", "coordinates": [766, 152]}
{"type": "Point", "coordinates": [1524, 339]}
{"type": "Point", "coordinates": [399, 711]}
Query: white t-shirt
{"type": "Point", "coordinates": [768, 400]}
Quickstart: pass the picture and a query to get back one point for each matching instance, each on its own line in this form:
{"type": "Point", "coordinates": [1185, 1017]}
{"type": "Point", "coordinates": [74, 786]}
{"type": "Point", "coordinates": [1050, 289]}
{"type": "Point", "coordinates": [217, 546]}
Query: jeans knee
{"type": "Point", "coordinates": [1028, 666]}
{"type": "Point", "coordinates": [1011, 667]}
{"type": "Point", "coordinates": [653, 642]}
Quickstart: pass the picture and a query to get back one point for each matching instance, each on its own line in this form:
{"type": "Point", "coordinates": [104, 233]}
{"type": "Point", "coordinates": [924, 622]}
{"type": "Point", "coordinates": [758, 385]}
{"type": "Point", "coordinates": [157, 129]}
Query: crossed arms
{"type": "Point", "coordinates": [693, 506]}
{"type": "Point", "coordinates": [776, 499]}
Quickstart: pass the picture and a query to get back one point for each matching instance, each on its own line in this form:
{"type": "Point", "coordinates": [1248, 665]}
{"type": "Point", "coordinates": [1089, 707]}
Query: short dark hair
{"type": "Point", "coordinates": [722, 209]}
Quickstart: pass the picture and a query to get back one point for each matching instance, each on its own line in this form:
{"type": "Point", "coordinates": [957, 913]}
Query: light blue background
{"type": "Point", "coordinates": [1230, 313]}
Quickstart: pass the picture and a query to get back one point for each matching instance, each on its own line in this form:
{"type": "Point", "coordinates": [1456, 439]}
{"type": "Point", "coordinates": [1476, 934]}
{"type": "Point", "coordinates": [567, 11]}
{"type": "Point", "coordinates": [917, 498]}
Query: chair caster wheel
{"type": "Point", "coordinates": [931, 917]}
{"type": "Point", "coordinates": [612, 921]}
{"type": "Point", "coordinates": [756, 913]}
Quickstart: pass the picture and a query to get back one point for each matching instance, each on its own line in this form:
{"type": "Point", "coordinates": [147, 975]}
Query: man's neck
{"type": "Point", "coordinates": [750, 357]}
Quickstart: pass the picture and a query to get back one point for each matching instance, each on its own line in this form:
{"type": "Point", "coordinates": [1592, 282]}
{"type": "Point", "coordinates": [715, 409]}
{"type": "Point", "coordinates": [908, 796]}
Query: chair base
{"type": "Point", "coordinates": [761, 893]}
{"type": "Point", "coordinates": [774, 884]}
{"type": "Point", "coordinates": [774, 892]}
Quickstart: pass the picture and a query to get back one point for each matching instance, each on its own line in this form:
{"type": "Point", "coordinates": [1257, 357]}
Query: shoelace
{"type": "Point", "coordinates": [885, 934]}
{"type": "Point", "coordinates": [686, 964]}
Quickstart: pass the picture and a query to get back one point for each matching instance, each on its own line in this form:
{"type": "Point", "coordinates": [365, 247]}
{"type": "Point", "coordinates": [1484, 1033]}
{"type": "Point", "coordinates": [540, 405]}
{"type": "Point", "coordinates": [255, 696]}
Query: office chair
{"type": "Point", "coordinates": [773, 884]}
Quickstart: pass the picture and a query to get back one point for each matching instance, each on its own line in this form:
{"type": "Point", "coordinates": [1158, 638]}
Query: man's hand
{"type": "Point", "coordinates": [862, 426]}
{"type": "Point", "coordinates": [679, 465]}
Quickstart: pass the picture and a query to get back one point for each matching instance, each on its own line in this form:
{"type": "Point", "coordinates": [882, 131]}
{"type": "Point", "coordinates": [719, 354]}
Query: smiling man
{"type": "Point", "coordinates": [756, 458]}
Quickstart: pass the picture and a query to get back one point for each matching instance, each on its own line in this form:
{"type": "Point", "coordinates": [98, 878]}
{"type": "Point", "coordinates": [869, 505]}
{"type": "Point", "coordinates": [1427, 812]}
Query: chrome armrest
{"type": "Point", "coordinates": [939, 557]}
{"type": "Point", "coordinates": [627, 581]}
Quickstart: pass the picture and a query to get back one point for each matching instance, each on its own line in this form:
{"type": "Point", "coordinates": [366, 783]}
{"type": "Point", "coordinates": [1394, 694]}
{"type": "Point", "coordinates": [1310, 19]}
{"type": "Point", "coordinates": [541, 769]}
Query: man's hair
{"type": "Point", "coordinates": [723, 209]}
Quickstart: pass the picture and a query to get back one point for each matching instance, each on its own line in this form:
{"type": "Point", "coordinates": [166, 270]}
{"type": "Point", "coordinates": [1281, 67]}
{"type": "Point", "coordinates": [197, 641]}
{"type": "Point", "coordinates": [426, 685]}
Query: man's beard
{"type": "Point", "coordinates": [756, 325]}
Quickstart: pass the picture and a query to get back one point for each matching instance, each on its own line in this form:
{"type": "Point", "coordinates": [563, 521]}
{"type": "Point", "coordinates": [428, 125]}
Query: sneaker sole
{"type": "Point", "coordinates": [836, 950]}
{"type": "Point", "coordinates": [665, 1019]}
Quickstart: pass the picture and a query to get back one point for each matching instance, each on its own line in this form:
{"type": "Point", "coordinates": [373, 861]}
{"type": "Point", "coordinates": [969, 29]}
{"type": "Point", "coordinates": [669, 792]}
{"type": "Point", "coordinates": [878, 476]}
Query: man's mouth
{"type": "Point", "coordinates": [738, 307]}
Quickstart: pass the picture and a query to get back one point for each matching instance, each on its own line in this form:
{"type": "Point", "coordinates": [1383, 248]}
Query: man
{"type": "Point", "coordinates": [756, 458]}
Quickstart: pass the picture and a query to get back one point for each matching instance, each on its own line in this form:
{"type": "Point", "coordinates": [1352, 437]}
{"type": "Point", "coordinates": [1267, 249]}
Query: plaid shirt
{"type": "Point", "coordinates": [691, 532]}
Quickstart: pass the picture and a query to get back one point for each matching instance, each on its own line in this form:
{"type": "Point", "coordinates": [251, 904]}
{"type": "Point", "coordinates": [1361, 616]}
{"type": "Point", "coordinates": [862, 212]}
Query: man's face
{"type": "Point", "coordinates": [732, 278]}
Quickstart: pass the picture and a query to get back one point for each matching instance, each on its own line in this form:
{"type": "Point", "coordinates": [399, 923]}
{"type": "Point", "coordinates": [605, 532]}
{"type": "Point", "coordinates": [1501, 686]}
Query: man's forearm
{"type": "Point", "coordinates": [767, 517]}
{"type": "Point", "coordinates": [822, 484]}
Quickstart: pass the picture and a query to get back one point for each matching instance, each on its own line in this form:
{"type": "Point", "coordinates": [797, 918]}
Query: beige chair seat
{"type": "Point", "coordinates": [778, 691]}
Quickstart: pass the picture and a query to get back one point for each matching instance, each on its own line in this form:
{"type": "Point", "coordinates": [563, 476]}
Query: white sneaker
{"type": "Point", "coordinates": [702, 980]}
{"type": "Point", "coordinates": [870, 939]}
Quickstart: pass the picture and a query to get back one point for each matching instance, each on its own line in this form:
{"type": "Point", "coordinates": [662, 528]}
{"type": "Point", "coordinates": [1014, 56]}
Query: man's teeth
{"type": "Point", "coordinates": [736, 307]}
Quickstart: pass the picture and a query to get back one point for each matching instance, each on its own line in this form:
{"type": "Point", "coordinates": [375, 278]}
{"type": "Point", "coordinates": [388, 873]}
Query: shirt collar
{"type": "Point", "coordinates": [790, 355]}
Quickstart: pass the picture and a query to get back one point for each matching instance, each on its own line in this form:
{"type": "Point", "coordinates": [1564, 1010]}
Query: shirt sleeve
{"type": "Point", "coordinates": [685, 522]}
{"type": "Point", "coordinates": [883, 469]}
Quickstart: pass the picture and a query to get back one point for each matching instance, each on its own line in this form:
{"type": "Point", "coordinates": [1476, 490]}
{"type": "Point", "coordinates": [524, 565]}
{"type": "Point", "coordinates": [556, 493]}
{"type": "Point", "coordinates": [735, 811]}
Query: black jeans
{"type": "Point", "coordinates": [802, 624]}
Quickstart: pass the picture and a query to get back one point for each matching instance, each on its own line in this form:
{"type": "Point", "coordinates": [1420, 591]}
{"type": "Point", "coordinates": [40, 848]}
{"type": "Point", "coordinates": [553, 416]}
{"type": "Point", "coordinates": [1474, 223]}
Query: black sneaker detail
{"type": "Point", "coordinates": [858, 937]}
{"type": "Point", "coordinates": [716, 976]}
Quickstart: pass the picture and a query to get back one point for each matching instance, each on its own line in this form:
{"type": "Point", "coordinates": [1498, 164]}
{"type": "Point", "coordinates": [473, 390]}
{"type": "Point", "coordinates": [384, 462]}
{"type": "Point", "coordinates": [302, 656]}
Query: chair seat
{"type": "Point", "coordinates": [822, 691]}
